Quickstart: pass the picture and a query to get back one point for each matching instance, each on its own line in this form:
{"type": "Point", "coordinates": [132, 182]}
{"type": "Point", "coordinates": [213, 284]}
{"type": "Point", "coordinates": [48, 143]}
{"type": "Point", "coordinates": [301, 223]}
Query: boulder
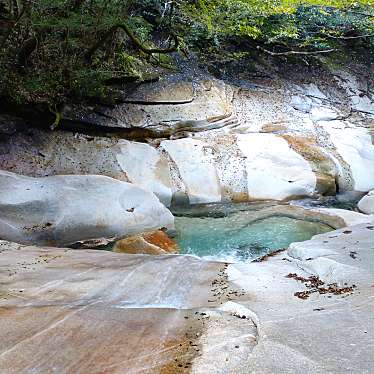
{"type": "Point", "coordinates": [196, 168]}
{"type": "Point", "coordinates": [349, 217]}
{"type": "Point", "coordinates": [355, 149]}
{"type": "Point", "coordinates": [151, 243]}
{"type": "Point", "coordinates": [274, 170]}
{"type": "Point", "coordinates": [147, 168]}
{"type": "Point", "coordinates": [366, 204]}
{"type": "Point", "coordinates": [62, 210]}
{"type": "Point", "coordinates": [320, 162]}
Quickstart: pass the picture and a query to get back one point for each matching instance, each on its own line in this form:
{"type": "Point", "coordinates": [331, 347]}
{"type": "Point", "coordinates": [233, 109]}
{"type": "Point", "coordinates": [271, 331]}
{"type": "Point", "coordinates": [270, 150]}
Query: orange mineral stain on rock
{"type": "Point", "coordinates": [152, 243]}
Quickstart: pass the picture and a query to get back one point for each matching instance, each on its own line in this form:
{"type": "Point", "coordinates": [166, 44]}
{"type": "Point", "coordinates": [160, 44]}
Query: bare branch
{"type": "Point", "coordinates": [349, 37]}
{"type": "Point", "coordinates": [287, 53]}
{"type": "Point", "coordinates": [134, 39]}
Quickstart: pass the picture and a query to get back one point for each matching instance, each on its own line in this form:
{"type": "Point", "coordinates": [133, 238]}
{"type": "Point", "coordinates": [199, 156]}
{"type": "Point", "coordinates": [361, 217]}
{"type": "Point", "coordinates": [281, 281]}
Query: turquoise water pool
{"type": "Point", "coordinates": [236, 236]}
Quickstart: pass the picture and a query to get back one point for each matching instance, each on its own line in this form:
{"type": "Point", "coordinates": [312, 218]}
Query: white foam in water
{"type": "Point", "coordinates": [233, 238]}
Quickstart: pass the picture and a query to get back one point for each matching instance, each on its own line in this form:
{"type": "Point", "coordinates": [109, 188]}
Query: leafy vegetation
{"type": "Point", "coordinates": [56, 51]}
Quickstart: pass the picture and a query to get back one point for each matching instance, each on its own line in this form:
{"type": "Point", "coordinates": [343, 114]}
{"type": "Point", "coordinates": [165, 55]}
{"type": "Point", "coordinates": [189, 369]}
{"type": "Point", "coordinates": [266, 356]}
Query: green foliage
{"type": "Point", "coordinates": [55, 51]}
{"type": "Point", "coordinates": [283, 24]}
{"type": "Point", "coordinates": [44, 46]}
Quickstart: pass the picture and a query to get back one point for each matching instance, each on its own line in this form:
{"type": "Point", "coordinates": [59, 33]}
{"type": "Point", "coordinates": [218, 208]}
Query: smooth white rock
{"type": "Point", "coordinates": [61, 210]}
{"type": "Point", "coordinates": [325, 333]}
{"type": "Point", "coordinates": [348, 216]}
{"type": "Point", "coordinates": [363, 104]}
{"type": "Point", "coordinates": [366, 204]}
{"type": "Point", "coordinates": [147, 168]}
{"type": "Point", "coordinates": [196, 166]}
{"type": "Point", "coordinates": [313, 90]}
{"type": "Point", "coordinates": [322, 113]}
{"type": "Point", "coordinates": [355, 90]}
{"type": "Point", "coordinates": [274, 170]}
{"type": "Point", "coordinates": [303, 104]}
{"type": "Point", "coordinates": [355, 146]}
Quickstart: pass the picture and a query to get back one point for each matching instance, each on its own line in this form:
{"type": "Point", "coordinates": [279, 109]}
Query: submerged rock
{"type": "Point", "coordinates": [62, 210]}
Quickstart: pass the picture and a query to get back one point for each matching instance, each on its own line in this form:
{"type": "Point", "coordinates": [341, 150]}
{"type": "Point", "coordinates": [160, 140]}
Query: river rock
{"type": "Point", "coordinates": [219, 142]}
{"type": "Point", "coordinates": [349, 217]}
{"type": "Point", "coordinates": [196, 167]}
{"type": "Point", "coordinates": [320, 161]}
{"type": "Point", "coordinates": [146, 167]}
{"type": "Point", "coordinates": [355, 147]}
{"type": "Point", "coordinates": [274, 170]}
{"type": "Point", "coordinates": [295, 332]}
{"type": "Point", "coordinates": [152, 243]}
{"type": "Point", "coordinates": [61, 210]}
{"type": "Point", "coordinates": [77, 304]}
{"type": "Point", "coordinates": [366, 204]}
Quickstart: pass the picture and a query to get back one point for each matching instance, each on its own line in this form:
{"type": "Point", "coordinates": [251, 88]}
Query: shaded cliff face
{"type": "Point", "coordinates": [191, 138]}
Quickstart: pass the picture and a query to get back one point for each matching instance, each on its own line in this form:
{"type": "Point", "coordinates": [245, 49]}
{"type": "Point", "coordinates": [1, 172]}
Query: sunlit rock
{"type": "Point", "coordinates": [61, 210]}
{"type": "Point", "coordinates": [195, 165]}
{"type": "Point", "coordinates": [323, 114]}
{"type": "Point", "coordinates": [152, 243]}
{"type": "Point", "coordinates": [354, 146]}
{"type": "Point", "coordinates": [366, 204]}
{"type": "Point", "coordinates": [147, 168]}
{"type": "Point", "coordinates": [349, 217]}
{"type": "Point", "coordinates": [324, 328]}
{"type": "Point", "coordinates": [274, 170]}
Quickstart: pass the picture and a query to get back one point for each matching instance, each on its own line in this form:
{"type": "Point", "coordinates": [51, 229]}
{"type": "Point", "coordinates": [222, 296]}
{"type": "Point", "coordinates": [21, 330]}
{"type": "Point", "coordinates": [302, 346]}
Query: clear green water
{"type": "Point", "coordinates": [234, 237]}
